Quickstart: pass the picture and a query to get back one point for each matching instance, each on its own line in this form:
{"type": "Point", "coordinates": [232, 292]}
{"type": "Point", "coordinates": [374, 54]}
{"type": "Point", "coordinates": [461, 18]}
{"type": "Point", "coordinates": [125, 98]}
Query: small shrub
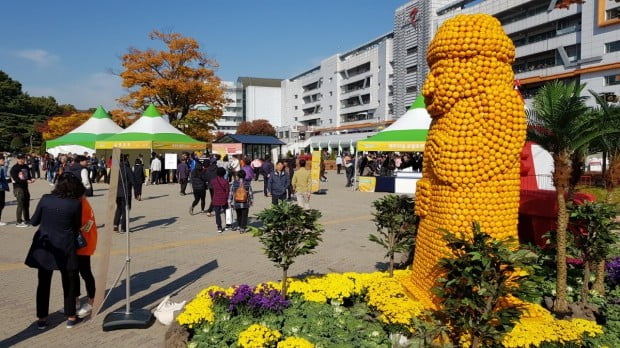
{"type": "Point", "coordinates": [481, 272]}
{"type": "Point", "coordinates": [396, 224]}
{"type": "Point", "coordinates": [288, 231]}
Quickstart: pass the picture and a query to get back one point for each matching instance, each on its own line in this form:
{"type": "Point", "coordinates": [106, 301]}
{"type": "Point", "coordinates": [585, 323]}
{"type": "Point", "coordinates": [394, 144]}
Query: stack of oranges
{"type": "Point", "coordinates": [472, 152]}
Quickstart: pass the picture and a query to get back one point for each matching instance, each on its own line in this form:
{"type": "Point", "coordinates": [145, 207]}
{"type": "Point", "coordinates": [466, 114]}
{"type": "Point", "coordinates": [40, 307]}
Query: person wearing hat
{"type": "Point", "coordinates": [20, 174]}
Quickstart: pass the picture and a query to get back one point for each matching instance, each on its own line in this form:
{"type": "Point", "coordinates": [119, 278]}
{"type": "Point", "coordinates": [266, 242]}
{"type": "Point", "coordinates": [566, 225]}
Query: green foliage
{"type": "Point", "coordinates": [20, 113]}
{"type": "Point", "coordinates": [610, 309]}
{"type": "Point", "coordinates": [288, 231]}
{"type": "Point", "coordinates": [396, 224]}
{"type": "Point", "coordinates": [480, 271]}
{"type": "Point", "coordinates": [596, 222]}
{"type": "Point", "coordinates": [325, 325]}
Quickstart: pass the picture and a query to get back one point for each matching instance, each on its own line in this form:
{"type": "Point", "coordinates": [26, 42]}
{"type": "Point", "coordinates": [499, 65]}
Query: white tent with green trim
{"type": "Point", "coordinates": [407, 134]}
{"type": "Point", "coordinates": [83, 138]}
{"type": "Point", "coordinates": [153, 132]}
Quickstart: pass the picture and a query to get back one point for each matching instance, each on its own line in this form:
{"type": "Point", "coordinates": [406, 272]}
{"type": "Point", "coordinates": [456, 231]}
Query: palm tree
{"type": "Point", "coordinates": [560, 125]}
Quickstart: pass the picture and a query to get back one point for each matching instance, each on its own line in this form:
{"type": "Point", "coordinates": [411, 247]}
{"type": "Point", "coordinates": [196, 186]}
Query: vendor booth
{"type": "Point", "coordinates": [150, 133]}
{"type": "Point", "coordinates": [253, 146]}
{"type": "Point", "coordinates": [407, 134]}
{"type": "Point", "coordinates": [83, 138]}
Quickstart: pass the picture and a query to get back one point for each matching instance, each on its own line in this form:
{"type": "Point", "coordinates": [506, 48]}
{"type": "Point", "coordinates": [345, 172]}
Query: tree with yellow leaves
{"type": "Point", "coordinates": [123, 118]}
{"type": "Point", "coordinates": [60, 125]}
{"type": "Point", "coordinates": [174, 79]}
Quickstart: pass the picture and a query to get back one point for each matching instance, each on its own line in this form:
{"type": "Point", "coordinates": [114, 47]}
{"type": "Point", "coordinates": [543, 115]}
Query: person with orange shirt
{"type": "Point", "coordinates": [89, 231]}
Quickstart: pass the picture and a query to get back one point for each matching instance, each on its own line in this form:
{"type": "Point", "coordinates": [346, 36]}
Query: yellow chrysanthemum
{"type": "Point", "coordinates": [258, 336]}
{"type": "Point", "coordinates": [295, 342]}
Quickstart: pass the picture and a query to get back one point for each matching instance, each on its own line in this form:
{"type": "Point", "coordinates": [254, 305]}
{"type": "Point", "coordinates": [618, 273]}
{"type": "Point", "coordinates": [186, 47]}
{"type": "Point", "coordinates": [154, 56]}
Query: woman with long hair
{"type": "Point", "coordinates": [59, 217]}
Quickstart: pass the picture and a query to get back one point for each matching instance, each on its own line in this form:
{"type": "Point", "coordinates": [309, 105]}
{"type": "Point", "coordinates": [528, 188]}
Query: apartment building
{"type": "Point", "coordinates": [348, 92]}
{"type": "Point", "coordinates": [249, 99]}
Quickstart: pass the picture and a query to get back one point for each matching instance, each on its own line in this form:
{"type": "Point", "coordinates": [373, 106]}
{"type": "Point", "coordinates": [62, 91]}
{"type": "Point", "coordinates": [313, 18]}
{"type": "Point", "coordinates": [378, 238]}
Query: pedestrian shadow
{"type": "Point", "coordinates": [320, 192]}
{"type": "Point", "coordinates": [150, 300]}
{"type": "Point", "coordinates": [53, 320]}
{"type": "Point", "coordinates": [154, 223]}
{"type": "Point", "coordinates": [154, 197]}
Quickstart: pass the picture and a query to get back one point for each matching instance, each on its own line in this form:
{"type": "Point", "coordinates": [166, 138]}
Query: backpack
{"type": "Point", "coordinates": [241, 194]}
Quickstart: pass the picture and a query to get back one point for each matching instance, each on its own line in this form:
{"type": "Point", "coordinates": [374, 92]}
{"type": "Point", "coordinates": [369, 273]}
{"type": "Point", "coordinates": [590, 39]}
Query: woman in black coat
{"type": "Point", "coordinates": [199, 187]}
{"type": "Point", "coordinates": [58, 216]}
{"type": "Point", "coordinates": [138, 178]}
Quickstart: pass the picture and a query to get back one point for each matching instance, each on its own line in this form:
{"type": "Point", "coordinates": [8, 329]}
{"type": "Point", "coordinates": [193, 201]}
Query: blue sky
{"type": "Point", "coordinates": [67, 48]}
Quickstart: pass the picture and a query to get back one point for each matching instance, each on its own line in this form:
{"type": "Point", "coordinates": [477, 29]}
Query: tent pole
{"type": "Point", "coordinates": [355, 169]}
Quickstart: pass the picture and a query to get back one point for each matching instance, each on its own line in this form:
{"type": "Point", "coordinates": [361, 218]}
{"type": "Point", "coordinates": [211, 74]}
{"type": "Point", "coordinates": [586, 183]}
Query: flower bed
{"type": "Point", "coordinates": [343, 310]}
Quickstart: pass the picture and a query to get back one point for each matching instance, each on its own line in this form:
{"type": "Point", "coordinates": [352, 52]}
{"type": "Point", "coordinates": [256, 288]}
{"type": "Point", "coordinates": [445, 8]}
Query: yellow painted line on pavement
{"type": "Point", "coordinates": [4, 267]}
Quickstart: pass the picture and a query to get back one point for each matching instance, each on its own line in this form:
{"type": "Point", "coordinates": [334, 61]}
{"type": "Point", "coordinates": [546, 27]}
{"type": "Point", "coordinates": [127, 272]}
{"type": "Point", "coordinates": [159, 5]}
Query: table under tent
{"type": "Point", "coordinates": [83, 138]}
{"type": "Point", "coordinates": [407, 134]}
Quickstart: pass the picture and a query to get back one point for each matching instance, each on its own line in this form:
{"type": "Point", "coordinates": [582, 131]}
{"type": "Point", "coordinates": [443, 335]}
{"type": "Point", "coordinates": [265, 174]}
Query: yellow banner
{"type": "Point", "coordinates": [125, 145]}
{"type": "Point", "coordinates": [171, 145]}
{"type": "Point", "coordinates": [315, 171]}
{"type": "Point", "coordinates": [159, 145]}
{"type": "Point", "coordinates": [367, 183]}
{"type": "Point", "coordinates": [400, 146]}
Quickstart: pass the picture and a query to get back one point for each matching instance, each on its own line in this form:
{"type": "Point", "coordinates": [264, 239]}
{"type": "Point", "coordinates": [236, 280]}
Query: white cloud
{"type": "Point", "coordinates": [41, 58]}
{"type": "Point", "coordinates": [93, 90]}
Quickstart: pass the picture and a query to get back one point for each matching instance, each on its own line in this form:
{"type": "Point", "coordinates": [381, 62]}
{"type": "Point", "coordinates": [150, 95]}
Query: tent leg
{"type": "Point", "coordinates": [355, 171]}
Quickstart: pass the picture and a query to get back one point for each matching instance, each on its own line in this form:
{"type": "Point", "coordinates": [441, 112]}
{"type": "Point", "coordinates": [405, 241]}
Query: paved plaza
{"type": "Point", "coordinates": [174, 254]}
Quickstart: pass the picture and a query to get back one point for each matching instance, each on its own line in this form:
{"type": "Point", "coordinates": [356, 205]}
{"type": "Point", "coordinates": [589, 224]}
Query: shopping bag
{"type": "Point", "coordinates": [229, 216]}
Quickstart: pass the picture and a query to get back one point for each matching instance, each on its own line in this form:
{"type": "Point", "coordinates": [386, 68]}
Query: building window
{"type": "Point", "coordinates": [331, 93]}
{"type": "Point", "coordinates": [295, 118]}
{"type": "Point", "coordinates": [612, 80]}
{"type": "Point", "coordinates": [412, 50]}
{"type": "Point", "coordinates": [295, 107]}
{"type": "Point", "coordinates": [295, 96]}
{"type": "Point", "coordinates": [331, 107]}
{"type": "Point", "coordinates": [612, 46]}
{"type": "Point", "coordinates": [412, 69]}
{"type": "Point", "coordinates": [330, 79]}
{"type": "Point", "coordinates": [613, 13]}
{"type": "Point", "coordinates": [411, 89]}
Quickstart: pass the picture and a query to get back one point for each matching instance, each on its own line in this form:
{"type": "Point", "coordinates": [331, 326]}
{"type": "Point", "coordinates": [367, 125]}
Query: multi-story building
{"type": "Point", "coordinates": [347, 92]}
{"type": "Point", "coordinates": [369, 86]}
{"type": "Point", "coordinates": [233, 110]}
{"type": "Point", "coordinates": [249, 99]}
{"type": "Point", "coordinates": [261, 99]}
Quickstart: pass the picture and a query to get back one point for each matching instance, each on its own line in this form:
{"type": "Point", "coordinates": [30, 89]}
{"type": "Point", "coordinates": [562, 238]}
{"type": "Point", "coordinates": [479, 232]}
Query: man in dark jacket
{"type": "Point", "coordinates": [123, 194]}
{"type": "Point", "coordinates": [291, 164]}
{"type": "Point", "coordinates": [183, 169]}
{"type": "Point", "coordinates": [278, 183]}
{"type": "Point", "coordinates": [20, 174]}
{"type": "Point", "coordinates": [266, 169]}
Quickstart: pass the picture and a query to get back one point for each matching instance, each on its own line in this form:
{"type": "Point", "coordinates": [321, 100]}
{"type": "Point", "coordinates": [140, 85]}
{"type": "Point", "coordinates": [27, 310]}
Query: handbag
{"type": "Point", "coordinates": [229, 216]}
{"type": "Point", "coordinates": [80, 241]}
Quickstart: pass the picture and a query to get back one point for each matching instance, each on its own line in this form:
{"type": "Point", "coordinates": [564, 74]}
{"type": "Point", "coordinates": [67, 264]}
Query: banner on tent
{"type": "Point", "coordinates": [123, 144]}
{"type": "Point", "coordinates": [170, 145]}
{"type": "Point", "coordinates": [404, 146]}
{"type": "Point", "coordinates": [227, 149]}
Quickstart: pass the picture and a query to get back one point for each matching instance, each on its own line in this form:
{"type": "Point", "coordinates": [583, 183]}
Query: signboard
{"type": "Point", "coordinates": [170, 161]}
{"type": "Point", "coordinates": [227, 149]}
{"type": "Point", "coordinates": [315, 171]}
{"type": "Point", "coordinates": [367, 183]}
